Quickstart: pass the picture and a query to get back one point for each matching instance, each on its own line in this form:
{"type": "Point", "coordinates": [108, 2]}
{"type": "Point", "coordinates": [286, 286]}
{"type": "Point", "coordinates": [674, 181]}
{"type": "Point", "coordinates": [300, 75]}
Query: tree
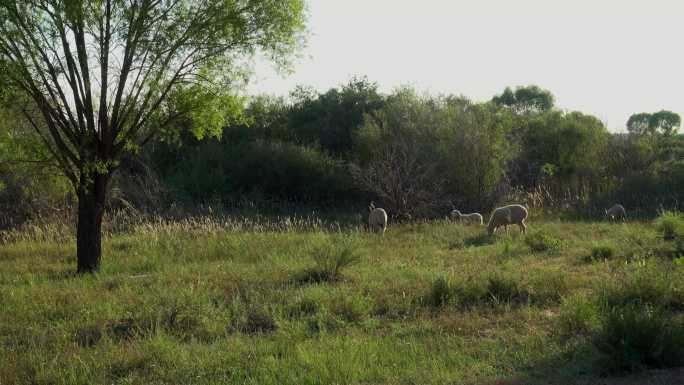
{"type": "Point", "coordinates": [525, 100]}
{"type": "Point", "coordinates": [662, 122]}
{"type": "Point", "coordinates": [638, 124]}
{"type": "Point", "coordinates": [106, 76]}
{"type": "Point", "coordinates": [331, 119]}
{"type": "Point", "coordinates": [417, 154]}
{"type": "Point", "coordinates": [665, 122]}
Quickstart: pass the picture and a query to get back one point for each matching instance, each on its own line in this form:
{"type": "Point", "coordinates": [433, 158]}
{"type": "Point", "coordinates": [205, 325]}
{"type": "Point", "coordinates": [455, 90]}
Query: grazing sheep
{"type": "Point", "coordinates": [507, 215]}
{"type": "Point", "coordinates": [377, 219]}
{"type": "Point", "coordinates": [616, 212]}
{"type": "Point", "coordinates": [474, 218]}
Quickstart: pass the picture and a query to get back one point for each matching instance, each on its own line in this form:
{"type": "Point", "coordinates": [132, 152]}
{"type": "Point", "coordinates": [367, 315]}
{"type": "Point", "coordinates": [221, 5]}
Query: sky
{"type": "Point", "coordinates": [608, 58]}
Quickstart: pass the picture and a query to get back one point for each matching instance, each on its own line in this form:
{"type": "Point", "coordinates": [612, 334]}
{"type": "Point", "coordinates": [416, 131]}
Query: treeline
{"type": "Point", "coordinates": [417, 155]}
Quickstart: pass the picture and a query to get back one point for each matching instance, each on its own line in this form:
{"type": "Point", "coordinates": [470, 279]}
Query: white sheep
{"type": "Point", "coordinates": [507, 215]}
{"type": "Point", "coordinates": [377, 218]}
{"type": "Point", "coordinates": [474, 218]}
{"type": "Point", "coordinates": [616, 212]}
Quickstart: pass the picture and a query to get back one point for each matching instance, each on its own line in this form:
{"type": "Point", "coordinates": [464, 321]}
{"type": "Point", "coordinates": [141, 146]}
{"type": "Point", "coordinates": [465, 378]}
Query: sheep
{"type": "Point", "coordinates": [507, 215]}
{"type": "Point", "coordinates": [616, 212]}
{"type": "Point", "coordinates": [474, 218]}
{"type": "Point", "coordinates": [377, 218]}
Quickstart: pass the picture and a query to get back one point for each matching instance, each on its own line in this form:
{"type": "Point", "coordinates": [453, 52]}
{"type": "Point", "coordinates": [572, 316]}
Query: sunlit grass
{"type": "Point", "coordinates": [223, 301]}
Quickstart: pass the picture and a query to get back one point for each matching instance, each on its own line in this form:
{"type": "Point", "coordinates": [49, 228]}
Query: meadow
{"type": "Point", "coordinates": [305, 301]}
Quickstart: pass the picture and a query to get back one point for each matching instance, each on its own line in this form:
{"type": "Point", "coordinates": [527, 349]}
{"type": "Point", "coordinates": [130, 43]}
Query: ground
{"type": "Point", "coordinates": [306, 302]}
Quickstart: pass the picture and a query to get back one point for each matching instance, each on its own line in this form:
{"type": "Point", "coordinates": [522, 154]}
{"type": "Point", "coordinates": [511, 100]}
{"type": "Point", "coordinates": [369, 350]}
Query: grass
{"type": "Point", "coordinates": [227, 302]}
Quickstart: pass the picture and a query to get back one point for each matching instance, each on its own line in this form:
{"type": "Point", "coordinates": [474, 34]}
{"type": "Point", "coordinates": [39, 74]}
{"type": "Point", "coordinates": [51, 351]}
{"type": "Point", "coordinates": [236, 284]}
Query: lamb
{"type": "Point", "coordinates": [507, 215]}
{"type": "Point", "coordinates": [474, 218]}
{"type": "Point", "coordinates": [616, 212]}
{"type": "Point", "coordinates": [377, 219]}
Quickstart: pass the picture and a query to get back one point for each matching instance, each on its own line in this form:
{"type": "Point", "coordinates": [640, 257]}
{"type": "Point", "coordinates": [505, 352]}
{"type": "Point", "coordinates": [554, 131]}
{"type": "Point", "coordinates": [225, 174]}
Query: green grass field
{"type": "Point", "coordinates": [429, 303]}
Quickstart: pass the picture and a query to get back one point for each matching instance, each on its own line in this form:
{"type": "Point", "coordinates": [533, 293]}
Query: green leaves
{"type": "Point", "coordinates": [529, 99]}
{"type": "Point", "coordinates": [662, 122]}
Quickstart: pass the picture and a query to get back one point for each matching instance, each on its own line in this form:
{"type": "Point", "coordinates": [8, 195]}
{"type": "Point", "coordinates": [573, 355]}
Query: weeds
{"type": "Point", "coordinates": [671, 225]}
{"type": "Point", "coordinates": [602, 252]}
{"type": "Point", "coordinates": [634, 337]}
{"type": "Point", "coordinates": [540, 241]}
{"type": "Point", "coordinates": [578, 315]}
{"type": "Point", "coordinates": [330, 260]}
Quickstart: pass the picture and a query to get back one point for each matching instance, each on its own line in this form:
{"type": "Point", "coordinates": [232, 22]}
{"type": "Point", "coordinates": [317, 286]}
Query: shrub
{"type": "Point", "coordinates": [330, 260]}
{"type": "Point", "coordinates": [441, 293]}
{"type": "Point", "coordinates": [470, 292]}
{"type": "Point", "coordinates": [540, 241]}
{"type": "Point", "coordinates": [303, 307]}
{"type": "Point", "coordinates": [578, 315]}
{"type": "Point", "coordinates": [548, 286]}
{"type": "Point", "coordinates": [482, 239]}
{"type": "Point", "coordinates": [258, 322]}
{"type": "Point", "coordinates": [643, 284]}
{"type": "Point", "coordinates": [601, 252]}
{"type": "Point", "coordinates": [492, 289]}
{"type": "Point", "coordinates": [505, 289]}
{"type": "Point", "coordinates": [635, 337]}
{"type": "Point", "coordinates": [671, 225]}
{"type": "Point", "coordinates": [350, 308]}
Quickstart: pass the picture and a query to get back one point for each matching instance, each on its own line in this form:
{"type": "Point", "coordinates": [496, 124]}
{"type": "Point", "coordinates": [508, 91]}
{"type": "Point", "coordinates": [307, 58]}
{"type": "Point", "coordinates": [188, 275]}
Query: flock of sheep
{"type": "Point", "coordinates": [501, 217]}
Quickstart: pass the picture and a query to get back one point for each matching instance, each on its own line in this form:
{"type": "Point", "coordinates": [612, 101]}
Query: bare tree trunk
{"type": "Point", "coordinates": [91, 199]}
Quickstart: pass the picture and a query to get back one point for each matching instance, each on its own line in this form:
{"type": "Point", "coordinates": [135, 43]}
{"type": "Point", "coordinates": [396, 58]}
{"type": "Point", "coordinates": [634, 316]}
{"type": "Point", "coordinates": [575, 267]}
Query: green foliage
{"type": "Point", "coordinates": [525, 100]}
{"type": "Point", "coordinates": [671, 225]}
{"type": "Point", "coordinates": [331, 120]}
{"type": "Point", "coordinates": [662, 122]}
{"type": "Point", "coordinates": [541, 241]}
{"type": "Point", "coordinates": [648, 283]}
{"type": "Point", "coordinates": [258, 321]}
{"type": "Point", "coordinates": [497, 288]}
{"type": "Point", "coordinates": [231, 172]}
{"type": "Point", "coordinates": [505, 289]}
{"type": "Point", "coordinates": [330, 260]}
{"type": "Point", "coordinates": [602, 252]}
{"type": "Point", "coordinates": [563, 147]}
{"type": "Point", "coordinates": [578, 315]}
{"type": "Point", "coordinates": [635, 337]}
{"type": "Point", "coordinates": [417, 151]}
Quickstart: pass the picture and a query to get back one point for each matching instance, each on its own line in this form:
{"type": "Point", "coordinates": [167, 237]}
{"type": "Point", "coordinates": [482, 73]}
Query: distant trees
{"type": "Point", "coordinates": [330, 120]}
{"type": "Point", "coordinates": [418, 153]}
{"type": "Point", "coordinates": [525, 100]}
{"type": "Point", "coordinates": [662, 122]}
{"type": "Point", "coordinates": [563, 145]}
{"type": "Point", "coordinates": [413, 153]}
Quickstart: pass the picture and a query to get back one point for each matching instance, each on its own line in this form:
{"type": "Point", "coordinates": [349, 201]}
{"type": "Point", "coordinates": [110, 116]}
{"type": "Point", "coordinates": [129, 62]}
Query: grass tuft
{"type": "Point", "coordinates": [636, 337]}
{"type": "Point", "coordinates": [330, 260]}
{"type": "Point", "coordinates": [671, 225]}
{"type": "Point", "coordinates": [541, 241]}
{"type": "Point", "coordinates": [257, 322]}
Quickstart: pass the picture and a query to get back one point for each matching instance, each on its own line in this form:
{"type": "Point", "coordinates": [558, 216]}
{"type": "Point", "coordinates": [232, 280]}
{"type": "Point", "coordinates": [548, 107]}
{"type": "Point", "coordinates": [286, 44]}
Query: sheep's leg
{"type": "Point", "coordinates": [523, 228]}
{"type": "Point", "coordinates": [383, 230]}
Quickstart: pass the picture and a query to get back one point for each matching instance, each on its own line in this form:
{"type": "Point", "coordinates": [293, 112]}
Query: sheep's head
{"type": "Point", "coordinates": [371, 206]}
{"type": "Point", "coordinates": [455, 214]}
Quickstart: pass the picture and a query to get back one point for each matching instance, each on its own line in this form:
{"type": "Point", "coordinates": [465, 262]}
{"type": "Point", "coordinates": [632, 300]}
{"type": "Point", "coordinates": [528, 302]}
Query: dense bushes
{"type": "Point", "coordinates": [230, 172]}
{"type": "Point", "coordinates": [417, 155]}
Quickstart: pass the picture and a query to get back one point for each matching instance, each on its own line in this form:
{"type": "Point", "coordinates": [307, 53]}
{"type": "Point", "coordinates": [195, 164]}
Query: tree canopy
{"type": "Point", "coordinates": [528, 99]}
{"type": "Point", "coordinates": [100, 78]}
{"type": "Point", "coordinates": [662, 122]}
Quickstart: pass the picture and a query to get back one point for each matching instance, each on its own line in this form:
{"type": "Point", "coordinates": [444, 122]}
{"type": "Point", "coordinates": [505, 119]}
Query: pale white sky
{"type": "Point", "coordinates": [610, 58]}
